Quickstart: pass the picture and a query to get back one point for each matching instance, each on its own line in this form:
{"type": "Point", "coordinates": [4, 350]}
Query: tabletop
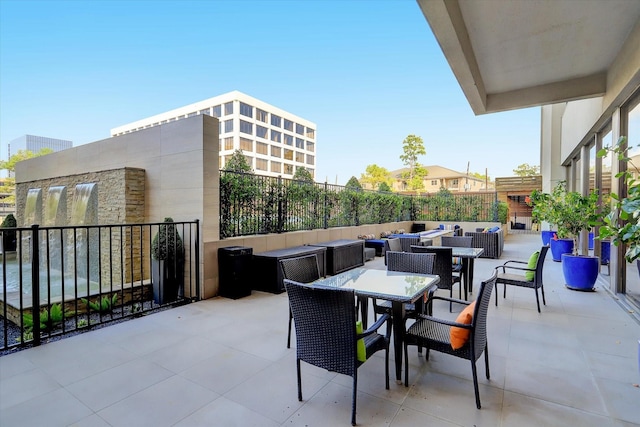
{"type": "Point", "coordinates": [462, 252]}
{"type": "Point", "coordinates": [388, 285]}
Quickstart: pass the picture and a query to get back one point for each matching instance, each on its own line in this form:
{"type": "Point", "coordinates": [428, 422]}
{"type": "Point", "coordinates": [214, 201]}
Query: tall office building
{"type": "Point", "coordinates": [34, 144]}
{"type": "Point", "coordinates": [274, 141]}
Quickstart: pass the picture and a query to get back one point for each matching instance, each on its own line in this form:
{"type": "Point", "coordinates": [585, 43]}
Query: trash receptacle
{"type": "Point", "coordinates": [234, 271]}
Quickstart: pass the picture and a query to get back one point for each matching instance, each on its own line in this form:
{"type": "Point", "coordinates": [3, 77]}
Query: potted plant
{"type": "Point", "coordinates": [167, 271]}
{"type": "Point", "coordinates": [540, 203]}
{"type": "Point", "coordinates": [572, 212]}
{"type": "Point", "coordinates": [9, 241]}
{"type": "Point", "coordinates": [622, 224]}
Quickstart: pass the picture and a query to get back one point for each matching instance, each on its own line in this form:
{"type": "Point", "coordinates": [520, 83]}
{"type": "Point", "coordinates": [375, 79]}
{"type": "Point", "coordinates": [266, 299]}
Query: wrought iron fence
{"type": "Point", "coordinates": [256, 204]}
{"type": "Point", "coordinates": [62, 280]}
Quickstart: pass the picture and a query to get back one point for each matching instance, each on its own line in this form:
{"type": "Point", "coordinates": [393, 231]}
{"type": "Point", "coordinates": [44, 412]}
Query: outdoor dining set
{"type": "Point", "coordinates": [331, 314]}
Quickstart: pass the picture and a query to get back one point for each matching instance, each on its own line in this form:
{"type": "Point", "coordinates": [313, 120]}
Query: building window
{"type": "Point", "coordinates": [217, 111]}
{"type": "Point", "coordinates": [276, 120]}
{"type": "Point", "coordinates": [246, 127]}
{"type": "Point", "coordinates": [228, 108]}
{"type": "Point", "coordinates": [454, 182]}
{"type": "Point", "coordinates": [434, 182]}
{"type": "Point", "coordinates": [249, 160]}
{"type": "Point", "coordinates": [276, 151]}
{"type": "Point", "coordinates": [299, 129]}
{"type": "Point", "coordinates": [262, 148]}
{"type": "Point", "coordinates": [261, 115]}
{"type": "Point", "coordinates": [246, 144]}
{"type": "Point", "coordinates": [299, 143]}
{"type": "Point", "coordinates": [276, 167]}
{"type": "Point", "coordinates": [246, 110]}
{"type": "Point", "coordinates": [311, 146]}
{"type": "Point", "coordinates": [228, 125]}
{"type": "Point", "coordinates": [228, 143]}
{"type": "Point", "coordinates": [288, 125]}
{"type": "Point", "coordinates": [311, 133]}
{"type": "Point", "coordinates": [299, 157]}
{"type": "Point", "coordinates": [261, 131]}
{"type": "Point", "coordinates": [288, 169]}
{"type": "Point", "coordinates": [310, 159]}
{"type": "Point", "coordinates": [312, 172]}
{"type": "Point", "coordinates": [206, 112]}
{"type": "Point", "coordinates": [262, 164]}
{"type": "Point", "coordinates": [276, 136]}
{"type": "Point", "coordinates": [195, 113]}
{"type": "Point", "coordinates": [288, 154]}
{"type": "Point", "coordinates": [288, 139]}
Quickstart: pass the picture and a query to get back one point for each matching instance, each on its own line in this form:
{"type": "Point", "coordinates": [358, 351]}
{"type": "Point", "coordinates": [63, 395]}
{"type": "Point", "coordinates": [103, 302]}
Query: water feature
{"type": "Point", "coordinates": [55, 214]}
{"type": "Point", "coordinates": [33, 207]}
{"type": "Point", "coordinates": [85, 250]}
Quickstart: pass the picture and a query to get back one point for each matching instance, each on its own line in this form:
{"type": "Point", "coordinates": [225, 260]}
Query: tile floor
{"type": "Point", "coordinates": [225, 363]}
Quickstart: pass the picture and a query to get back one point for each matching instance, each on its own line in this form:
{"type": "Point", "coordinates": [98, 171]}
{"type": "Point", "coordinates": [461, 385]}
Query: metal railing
{"type": "Point", "coordinates": [255, 204]}
{"type": "Point", "coordinates": [62, 280]}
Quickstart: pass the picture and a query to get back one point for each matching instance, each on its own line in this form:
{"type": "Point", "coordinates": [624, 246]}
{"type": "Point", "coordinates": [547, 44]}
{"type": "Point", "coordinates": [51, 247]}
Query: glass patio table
{"type": "Point", "coordinates": [468, 256]}
{"type": "Point", "coordinates": [398, 287]}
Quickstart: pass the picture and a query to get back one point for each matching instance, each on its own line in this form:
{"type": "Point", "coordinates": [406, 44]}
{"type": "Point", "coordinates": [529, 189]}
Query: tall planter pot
{"type": "Point", "coordinates": [580, 272]}
{"type": "Point", "coordinates": [559, 247]}
{"type": "Point", "coordinates": [168, 279]}
{"type": "Point", "coordinates": [546, 236]}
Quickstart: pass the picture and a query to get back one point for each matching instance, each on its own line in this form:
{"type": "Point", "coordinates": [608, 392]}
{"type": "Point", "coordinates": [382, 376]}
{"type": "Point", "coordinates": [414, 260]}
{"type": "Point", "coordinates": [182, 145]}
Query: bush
{"type": "Point", "coordinates": [167, 244]}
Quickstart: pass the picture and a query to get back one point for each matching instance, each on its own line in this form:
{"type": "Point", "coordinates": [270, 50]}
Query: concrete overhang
{"type": "Point", "coordinates": [510, 54]}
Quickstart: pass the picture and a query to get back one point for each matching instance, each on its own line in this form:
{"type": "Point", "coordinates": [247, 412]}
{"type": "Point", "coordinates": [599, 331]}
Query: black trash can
{"type": "Point", "coordinates": [234, 271]}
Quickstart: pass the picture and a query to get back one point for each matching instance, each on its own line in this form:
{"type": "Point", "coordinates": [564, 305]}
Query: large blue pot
{"type": "Point", "coordinates": [559, 247]}
{"type": "Point", "coordinates": [546, 236]}
{"type": "Point", "coordinates": [580, 272]}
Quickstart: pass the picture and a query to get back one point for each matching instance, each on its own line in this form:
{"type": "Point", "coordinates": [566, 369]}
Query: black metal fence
{"type": "Point", "coordinates": [255, 204]}
{"type": "Point", "coordinates": [62, 280]}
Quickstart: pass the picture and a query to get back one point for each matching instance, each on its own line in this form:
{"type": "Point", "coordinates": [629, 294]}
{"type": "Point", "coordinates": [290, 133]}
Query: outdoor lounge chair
{"type": "Point", "coordinates": [300, 269]}
{"type": "Point", "coordinates": [515, 279]}
{"type": "Point", "coordinates": [326, 334]}
{"type": "Point", "coordinates": [436, 334]}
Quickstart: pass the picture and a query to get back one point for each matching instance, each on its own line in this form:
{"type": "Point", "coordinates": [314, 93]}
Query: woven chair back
{"type": "Point", "coordinates": [457, 241]}
{"type": "Point", "coordinates": [302, 269]}
{"type": "Point", "coordinates": [420, 263]}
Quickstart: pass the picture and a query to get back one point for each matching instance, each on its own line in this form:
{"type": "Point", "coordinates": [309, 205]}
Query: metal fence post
{"type": "Point", "coordinates": [325, 209]}
{"type": "Point", "coordinates": [35, 283]}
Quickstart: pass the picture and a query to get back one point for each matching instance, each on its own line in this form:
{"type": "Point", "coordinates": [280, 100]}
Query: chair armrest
{"type": "Point", "coordinates": [512, 267]}
{"type": "Point", "coordinates": [516, 262]}
{"type": "Point", "coordinates": [373, 328]}
{"type": "Point", "coordinates": [457, 301]}
{"type": "Point", "coordinates": [445, 321]}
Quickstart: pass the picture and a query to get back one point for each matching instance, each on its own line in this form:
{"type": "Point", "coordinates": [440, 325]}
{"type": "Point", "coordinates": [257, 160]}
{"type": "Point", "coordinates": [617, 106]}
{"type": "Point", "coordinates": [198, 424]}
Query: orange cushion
{"type": "Point", "coordinates": [460, 336]}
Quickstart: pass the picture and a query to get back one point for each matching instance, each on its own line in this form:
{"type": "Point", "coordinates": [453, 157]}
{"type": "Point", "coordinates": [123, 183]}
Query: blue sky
{"type": "Point", "coordinates": [368, 73]}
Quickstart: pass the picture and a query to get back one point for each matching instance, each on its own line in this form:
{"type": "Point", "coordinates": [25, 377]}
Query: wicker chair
{"type": "Point", "coordinates": [457, 242]}
{"type": "Point", "coordinates": [410, 263]}
{"type": "Point", "coordinates": [394, 245]}
{"type": "Point", "coordinates": [326, 332]}
{"type": "Point", "coordinates": [443, 267]}
{"type": "Point", "coordinates": [434, 334]}
{"type": "Point", "coordinates": [492, 243]}
{"type": "Point", "coordinates": [515, 279]}
{"type": "Point", "coordinates": [302, 269]}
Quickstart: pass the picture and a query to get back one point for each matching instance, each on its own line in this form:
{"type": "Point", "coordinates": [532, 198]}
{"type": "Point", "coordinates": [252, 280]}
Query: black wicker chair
{"type": "Point", "coordinates": [457, 242]}
{"type": "Point", "coordinates": [409, 263]}
{"type": "Point", "coordinates": [302, 269]}
{"type": "Point", "coordinates": [515, 279]}
{"type": "Point", "coordinates": [443, 267]}
{"type": "Point", "coordinates": [394, 245]}
{"type": "Point", "coordinates": [434, 334]}
{"type": "Point", "coordinates": [326, 332]}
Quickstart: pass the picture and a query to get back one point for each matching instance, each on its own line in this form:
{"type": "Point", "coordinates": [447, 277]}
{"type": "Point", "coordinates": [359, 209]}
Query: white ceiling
{"type": "Point", "coordinates": [509, 54]}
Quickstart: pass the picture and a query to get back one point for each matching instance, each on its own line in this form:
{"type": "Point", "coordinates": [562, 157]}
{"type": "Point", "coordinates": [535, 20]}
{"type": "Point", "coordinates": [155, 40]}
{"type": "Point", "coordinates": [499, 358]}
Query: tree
{"type": "Point", "coordinates": [384, 187]}
{"type": "Point", "coordinates": [238, 163]}
{"type": "Point", "coordinates": [353, 184]}
{"type": "Point", "coordinates": [302, 174]}
{"type": "Point", "coordinates": [526, 169]}
{"type": "Point", "coordinates": [9, 184]}
{"type": "Point", "coordinates": [375, 176]}
{"type": "Point", "coordinates": [412, 147]}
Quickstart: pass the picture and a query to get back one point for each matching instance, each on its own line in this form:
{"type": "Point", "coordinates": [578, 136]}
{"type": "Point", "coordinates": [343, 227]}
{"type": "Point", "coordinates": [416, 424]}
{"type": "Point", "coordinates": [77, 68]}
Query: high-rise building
{"type": "Point", "coordinates": [34, 144]}
{"type": "Point", "coordinates": [274, 141]}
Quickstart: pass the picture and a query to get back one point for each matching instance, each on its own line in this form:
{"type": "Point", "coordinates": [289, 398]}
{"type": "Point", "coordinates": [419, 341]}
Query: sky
{"type": "Point", "coordinates": [368, 73]}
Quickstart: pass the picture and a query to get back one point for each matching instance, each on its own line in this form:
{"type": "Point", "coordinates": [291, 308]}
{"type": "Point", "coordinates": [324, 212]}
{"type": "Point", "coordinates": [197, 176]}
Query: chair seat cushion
{"type": "Point", "coordinates": [515, 279]}
{"type": "Point", "coordinates": [361, 349]}
{"type": "Point", "coordinates": [459, 336]}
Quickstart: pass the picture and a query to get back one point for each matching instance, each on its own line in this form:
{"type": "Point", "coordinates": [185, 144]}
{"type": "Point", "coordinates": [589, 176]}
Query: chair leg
{"type": "Point", "coordinates": [475, 382]}
{"type": "Point", "coordinates": [406, 365]}
{"type": "Point", "coordinates": [496, 292]}
{"type": "Point", "coordinates": [537, 299]}
{"type": "Point", "coordinates": [386, 369]}
{"type": "Point", "coordinates": [486, 360]}
{"type": "Point", "coordinates": [290, 321]}
{"type": "Point", "coordinates": [543, 300]}
{"type": "Point", "coordinates": [355, 393]}
{"type": "Point", "coordinates": [450, 296]}
{"type": "Point", "coordinates": [299, 380]}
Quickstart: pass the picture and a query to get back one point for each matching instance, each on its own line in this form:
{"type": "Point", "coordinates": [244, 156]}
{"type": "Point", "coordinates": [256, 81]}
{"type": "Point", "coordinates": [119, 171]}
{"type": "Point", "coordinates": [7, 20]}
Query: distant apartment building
{"type": "Point", "coordinates": [274, 141]}
{"type": "Point", "coordinates": [440, 177]}
{"type": "Point", "coordinates": [34, 144]}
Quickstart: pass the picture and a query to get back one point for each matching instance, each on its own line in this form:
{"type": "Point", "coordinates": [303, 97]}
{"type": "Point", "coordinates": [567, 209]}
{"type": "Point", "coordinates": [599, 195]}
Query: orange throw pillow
{"type": "Point", "coordinates": [460, 336]}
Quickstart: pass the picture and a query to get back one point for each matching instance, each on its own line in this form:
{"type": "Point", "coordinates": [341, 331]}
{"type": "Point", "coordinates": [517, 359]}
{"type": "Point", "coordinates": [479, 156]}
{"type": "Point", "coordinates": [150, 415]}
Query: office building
{"type": "Point", "coordinates": [274, 141]}
{"type": "Point", "coordinates": [34, 144]}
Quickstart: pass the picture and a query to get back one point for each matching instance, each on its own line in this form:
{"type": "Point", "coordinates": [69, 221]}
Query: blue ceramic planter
{"type": "Point", "coordinates": [580, 272]}
{"type": "Point", "coordinates": [546, 236]}
{"type": "Point", "coordinates": [559, 247]}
